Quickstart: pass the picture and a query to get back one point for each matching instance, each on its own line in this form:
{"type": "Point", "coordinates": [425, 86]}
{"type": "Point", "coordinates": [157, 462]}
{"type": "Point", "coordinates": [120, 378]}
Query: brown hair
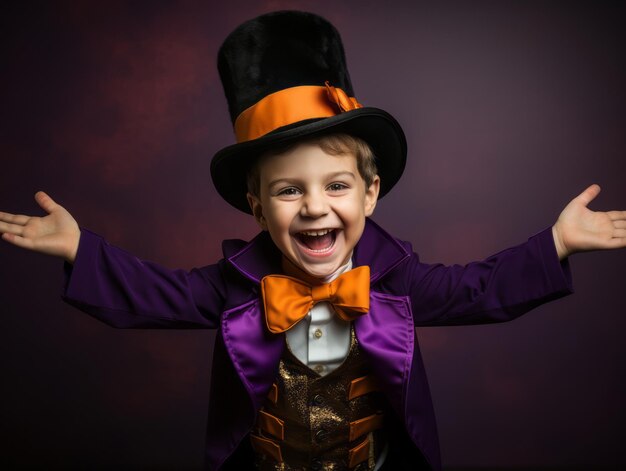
{"type": "Point", "coordinates": [333, 144]}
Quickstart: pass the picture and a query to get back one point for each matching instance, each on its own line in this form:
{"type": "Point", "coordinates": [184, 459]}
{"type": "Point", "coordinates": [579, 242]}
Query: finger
{"type": "Point", "coordinates": [619, 224]}
{"type": "Point", "coordinates": [617, 243]}
{"type": "Point", "coordinates": [18, 241]}
{"type": "Point", "coordinates": [589, 194]}
{"type": "Point", "coordinates": [615, 215]}
{"type": "Point", "coordinates": [47, 203]}
{"type": "Point", "coordinates": [11, 228]}
{"type": "Point", "coordinates": [14, 218]}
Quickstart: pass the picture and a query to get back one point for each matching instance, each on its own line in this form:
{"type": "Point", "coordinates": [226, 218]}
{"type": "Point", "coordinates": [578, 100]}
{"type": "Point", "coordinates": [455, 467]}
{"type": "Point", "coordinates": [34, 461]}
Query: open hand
{"type": "Point", "coordinates": [578, 229]}
{"type": "Point", "coordinates": [55, 234]}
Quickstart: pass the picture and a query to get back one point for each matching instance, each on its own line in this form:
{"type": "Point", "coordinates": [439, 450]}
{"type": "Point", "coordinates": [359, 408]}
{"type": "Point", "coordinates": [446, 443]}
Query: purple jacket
{"type": "Point", "coordinates": [126, 292]}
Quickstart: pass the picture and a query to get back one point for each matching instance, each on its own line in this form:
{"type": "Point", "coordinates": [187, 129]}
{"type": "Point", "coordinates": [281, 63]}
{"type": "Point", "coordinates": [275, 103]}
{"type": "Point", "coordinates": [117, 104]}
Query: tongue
{"type": "Point", "coordinates": [317, 242]}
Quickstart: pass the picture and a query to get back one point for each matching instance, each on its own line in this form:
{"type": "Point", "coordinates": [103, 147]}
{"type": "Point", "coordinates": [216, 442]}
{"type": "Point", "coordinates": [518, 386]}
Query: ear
{"type": "Point", "coordinates": [371, 196]}
{"type": "Point", "coordinates": [257, 210]}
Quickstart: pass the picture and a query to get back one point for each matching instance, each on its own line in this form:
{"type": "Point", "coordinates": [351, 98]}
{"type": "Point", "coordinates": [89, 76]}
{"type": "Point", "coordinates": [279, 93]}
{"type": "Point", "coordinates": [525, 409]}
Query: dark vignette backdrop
{"type": "Point", "coordinates": [115, 108]}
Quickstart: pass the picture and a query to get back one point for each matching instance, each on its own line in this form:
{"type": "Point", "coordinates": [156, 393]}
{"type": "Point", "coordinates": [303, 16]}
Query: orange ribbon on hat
{"type": "Point", "coordinates": [288, 300]}
{"type": "Point", "coordinates": [289, 106]}
{"type": "Point", "coordinates": [341, 98]}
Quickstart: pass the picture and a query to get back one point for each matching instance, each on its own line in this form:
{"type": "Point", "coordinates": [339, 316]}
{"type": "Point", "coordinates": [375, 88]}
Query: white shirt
{"type": "Point", "coordinates": [322, 339]}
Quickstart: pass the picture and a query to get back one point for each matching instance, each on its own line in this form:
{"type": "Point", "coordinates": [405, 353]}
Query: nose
{"type": "Point", "coordinates": [314, 205]}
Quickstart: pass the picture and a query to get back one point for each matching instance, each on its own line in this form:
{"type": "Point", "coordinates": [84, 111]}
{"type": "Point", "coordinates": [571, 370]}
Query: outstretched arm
{"type": "Point", "coordinates": [578, 229]}
{"type": "Point", "coordinates": [113, 285]}
{"type": "Point", "coordinates": [55, 234]}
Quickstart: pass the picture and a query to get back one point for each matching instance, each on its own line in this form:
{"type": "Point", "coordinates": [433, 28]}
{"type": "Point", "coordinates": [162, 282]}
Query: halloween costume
{"type": "Point", "coordinates": [125, 292]}
{"type": "Point", "coordinates": [285, 79]}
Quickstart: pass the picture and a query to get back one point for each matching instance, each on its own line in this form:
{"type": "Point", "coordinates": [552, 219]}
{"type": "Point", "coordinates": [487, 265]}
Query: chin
{"type": "Point", "coordinates": [321, 270]}
{"type": "Point", "coordinates": [319, 273]}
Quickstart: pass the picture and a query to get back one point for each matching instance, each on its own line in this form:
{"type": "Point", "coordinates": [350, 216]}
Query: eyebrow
{"type": "Point", "coordinates": [330, 176]}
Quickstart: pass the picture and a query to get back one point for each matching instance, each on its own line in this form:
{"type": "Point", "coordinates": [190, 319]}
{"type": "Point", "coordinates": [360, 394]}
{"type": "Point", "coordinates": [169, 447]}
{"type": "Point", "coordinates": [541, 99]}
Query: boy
{"type": "Point", "coordinates": [362, 400]}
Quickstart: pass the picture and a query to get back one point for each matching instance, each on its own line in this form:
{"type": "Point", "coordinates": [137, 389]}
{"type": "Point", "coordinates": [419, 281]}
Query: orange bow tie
{"type": "Point", "coordinates": [287, 300]}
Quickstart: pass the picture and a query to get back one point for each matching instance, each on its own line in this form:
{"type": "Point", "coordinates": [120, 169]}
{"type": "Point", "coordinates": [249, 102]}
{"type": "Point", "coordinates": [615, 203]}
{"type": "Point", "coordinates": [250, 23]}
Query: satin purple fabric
{"type": "Point", "coordinates": [125, 292]}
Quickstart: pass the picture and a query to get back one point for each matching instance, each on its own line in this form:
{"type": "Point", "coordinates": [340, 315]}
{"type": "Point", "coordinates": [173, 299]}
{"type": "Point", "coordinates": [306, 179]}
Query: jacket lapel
{"type": "Point", "coordinates": [385, 334]}
{"type": "Point", "coordinates": [253, 350]}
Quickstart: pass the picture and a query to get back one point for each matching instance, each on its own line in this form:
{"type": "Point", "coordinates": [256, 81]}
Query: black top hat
{"type": "Point", "coordinates": [285, 78]}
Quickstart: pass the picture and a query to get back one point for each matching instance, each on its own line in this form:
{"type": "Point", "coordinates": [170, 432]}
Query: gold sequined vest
{"type": "Point", "coordinates": [332, 422]}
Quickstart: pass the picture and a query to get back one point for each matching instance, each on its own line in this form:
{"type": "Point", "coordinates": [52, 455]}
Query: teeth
{"type": "Point", "coordinates": [316, 233]}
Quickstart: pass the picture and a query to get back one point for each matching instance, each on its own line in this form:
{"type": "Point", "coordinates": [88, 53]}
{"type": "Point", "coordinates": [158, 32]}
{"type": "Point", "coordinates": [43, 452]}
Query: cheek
{"type": "Point", "coordinates": [279, 218]}
{"type": "Point", "coordinates": [353, 219]}
{"type": "Point", "coordinates": [352, 210]}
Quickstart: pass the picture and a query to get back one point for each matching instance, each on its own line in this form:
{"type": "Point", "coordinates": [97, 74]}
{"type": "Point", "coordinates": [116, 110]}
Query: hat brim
{"type": "Point", "coordinates": [375, 126]}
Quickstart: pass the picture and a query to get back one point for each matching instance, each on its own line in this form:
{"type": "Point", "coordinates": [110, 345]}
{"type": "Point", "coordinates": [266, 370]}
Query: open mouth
{"type": "Point", "coordinates": [317, 241]}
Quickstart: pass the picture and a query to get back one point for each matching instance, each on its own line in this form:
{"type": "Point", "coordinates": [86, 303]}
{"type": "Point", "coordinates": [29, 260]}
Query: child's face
{"type": "Point", "coordinates": [314, 206]}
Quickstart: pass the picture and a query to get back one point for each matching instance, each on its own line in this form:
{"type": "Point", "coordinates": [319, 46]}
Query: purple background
{"type": "Point", "coordinates": [511, 109]}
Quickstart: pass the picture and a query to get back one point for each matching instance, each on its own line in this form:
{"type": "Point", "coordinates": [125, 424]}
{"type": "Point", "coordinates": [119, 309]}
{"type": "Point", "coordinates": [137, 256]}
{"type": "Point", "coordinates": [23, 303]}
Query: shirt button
{"type": "Point", "coordinates": [321, 435]}
{"type": "Point", "coordinates": [319, 369]}
{"type": "Point", "coordinates": [318, 333]}
{"type": "Point", "coordinates": [318, 400]}
{"type": "Point", "coordinates": [316, 465]}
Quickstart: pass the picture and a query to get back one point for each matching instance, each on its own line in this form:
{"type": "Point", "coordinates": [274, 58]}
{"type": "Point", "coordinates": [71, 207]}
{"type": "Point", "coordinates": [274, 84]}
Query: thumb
{"type": "Point", "coordinates": [589, 194]}
{"type": "Point", "coordinates": [45, 201]}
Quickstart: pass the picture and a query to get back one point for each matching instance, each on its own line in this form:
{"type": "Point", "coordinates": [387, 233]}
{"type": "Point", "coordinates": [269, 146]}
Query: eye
{"type": "Point", "coordinates": [337, 186]}
{"type": "Point", "coordinates": [289, 191]}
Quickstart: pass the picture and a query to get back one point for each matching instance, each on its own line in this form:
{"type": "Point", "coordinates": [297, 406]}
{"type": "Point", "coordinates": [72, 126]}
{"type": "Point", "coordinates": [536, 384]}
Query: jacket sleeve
{"type": "Point", "coordinates": [497, 289]}
{"type": "Point", "coordinates": [126, 292]}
